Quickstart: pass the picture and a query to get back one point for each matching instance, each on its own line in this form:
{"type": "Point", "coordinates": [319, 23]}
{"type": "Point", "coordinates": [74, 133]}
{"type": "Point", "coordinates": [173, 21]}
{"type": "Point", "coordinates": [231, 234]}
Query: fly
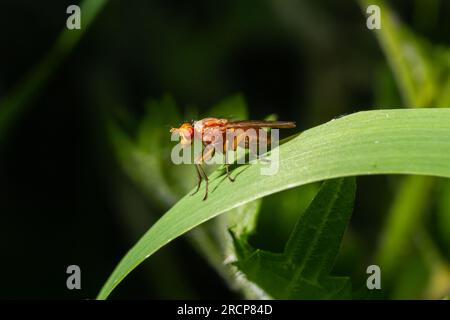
{"type": "Point", "coordinates": [208, 129]}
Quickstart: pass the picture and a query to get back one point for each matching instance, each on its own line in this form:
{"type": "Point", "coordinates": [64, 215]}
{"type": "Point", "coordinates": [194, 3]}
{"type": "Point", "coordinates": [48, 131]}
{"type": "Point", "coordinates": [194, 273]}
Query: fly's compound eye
{"type": "Point", "coordinates": [186, 133]}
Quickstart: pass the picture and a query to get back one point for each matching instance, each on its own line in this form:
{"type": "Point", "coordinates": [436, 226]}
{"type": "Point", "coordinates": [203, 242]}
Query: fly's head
{"type": "Point", "coordinates": [185, 132]}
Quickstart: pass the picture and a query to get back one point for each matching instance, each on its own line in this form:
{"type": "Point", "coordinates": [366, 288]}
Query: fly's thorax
{"type": "Point", "coordinates": [198, 126]}
{"type": "Point", "coordinates": [212, 135]}
{"type": "Point", "coordinates": [201, 125]}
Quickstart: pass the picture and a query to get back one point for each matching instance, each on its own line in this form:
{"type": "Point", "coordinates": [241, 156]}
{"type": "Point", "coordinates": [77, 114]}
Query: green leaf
{"type": "Point", "coordinates": [406, 141]}
{"type": "Point", "coordinates": [302, 271]}
{"type": "Point", "coordinates": [146, 158]}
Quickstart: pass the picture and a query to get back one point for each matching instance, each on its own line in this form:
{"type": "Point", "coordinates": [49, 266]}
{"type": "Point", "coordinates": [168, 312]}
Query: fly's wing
{"type": "Point", "coordinates": [260, 124]}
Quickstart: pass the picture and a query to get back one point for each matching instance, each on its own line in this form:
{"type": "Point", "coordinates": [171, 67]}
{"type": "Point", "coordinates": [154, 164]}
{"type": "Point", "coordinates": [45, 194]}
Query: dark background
{"type": "Point", "coordinates": [307, 61]}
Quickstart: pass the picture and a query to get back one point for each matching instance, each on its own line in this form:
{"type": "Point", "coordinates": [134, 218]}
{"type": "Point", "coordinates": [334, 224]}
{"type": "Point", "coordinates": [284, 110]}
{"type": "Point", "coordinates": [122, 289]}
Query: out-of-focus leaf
{"type": "Point", "coordinates": [233, 107]}
{"type": "Point", "coordinates": [279, 213]}
{"type": "Point", "coordinates": [303, 270]}
{"type": "Point", "coordinates": [403, 286]}
{"type": "Point", "coordinates": [17, 102]}
{"type": "Point", "coordinates": [145, 158]}
{"type": "Point", "coordinates": [438, 285]}
{"type": "Point", "coordinates": [408, 57]}
{"type": "Point", "coordinates": [443, 100]}
{"type": "Point", "coordinates": [397, 235]}
{"type": "Point", "coordinates": [424, 264]}
{"type": "Point", "coordinates": [422, 73]}
{"type": "Point", "coordinates": [443, 215]}
{"type": "Point", "coordinates": [442, 60]}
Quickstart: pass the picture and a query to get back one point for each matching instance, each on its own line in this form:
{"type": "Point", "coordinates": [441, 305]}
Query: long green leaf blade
{"type": "Point", "coordinates": [402, 141]}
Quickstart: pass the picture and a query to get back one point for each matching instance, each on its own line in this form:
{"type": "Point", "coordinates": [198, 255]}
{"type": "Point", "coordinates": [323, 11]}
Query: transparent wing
{"type": "Point", "coordinates": [260, 124]}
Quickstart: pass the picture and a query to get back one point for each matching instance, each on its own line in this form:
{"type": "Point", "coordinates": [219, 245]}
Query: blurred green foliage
{"type": "Point", "coordinates": [422, 71]}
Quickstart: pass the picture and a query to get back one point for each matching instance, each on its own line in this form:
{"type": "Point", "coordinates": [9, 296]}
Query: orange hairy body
{"type": "Point", "coordinates": [215, 132]}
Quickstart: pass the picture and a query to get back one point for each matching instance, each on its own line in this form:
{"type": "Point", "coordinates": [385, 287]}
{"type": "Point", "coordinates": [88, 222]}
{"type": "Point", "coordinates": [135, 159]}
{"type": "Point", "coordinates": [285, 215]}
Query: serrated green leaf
{"type": "Point", "coordinates": [303, 270]}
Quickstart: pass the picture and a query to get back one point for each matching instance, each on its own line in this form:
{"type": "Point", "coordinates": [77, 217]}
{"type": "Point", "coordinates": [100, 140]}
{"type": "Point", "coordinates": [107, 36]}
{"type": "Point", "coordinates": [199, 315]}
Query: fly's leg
{"type": "Point", "coordinates": [206, 156]}
{"type": "Point", "coordinates": [199, 180]}
{"type": "Point", "coordinates": [228, 173]}
{"type": "Point", "coordinates": [239, 139]}
{"type": "Point", "coordinates": [202, 172]}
